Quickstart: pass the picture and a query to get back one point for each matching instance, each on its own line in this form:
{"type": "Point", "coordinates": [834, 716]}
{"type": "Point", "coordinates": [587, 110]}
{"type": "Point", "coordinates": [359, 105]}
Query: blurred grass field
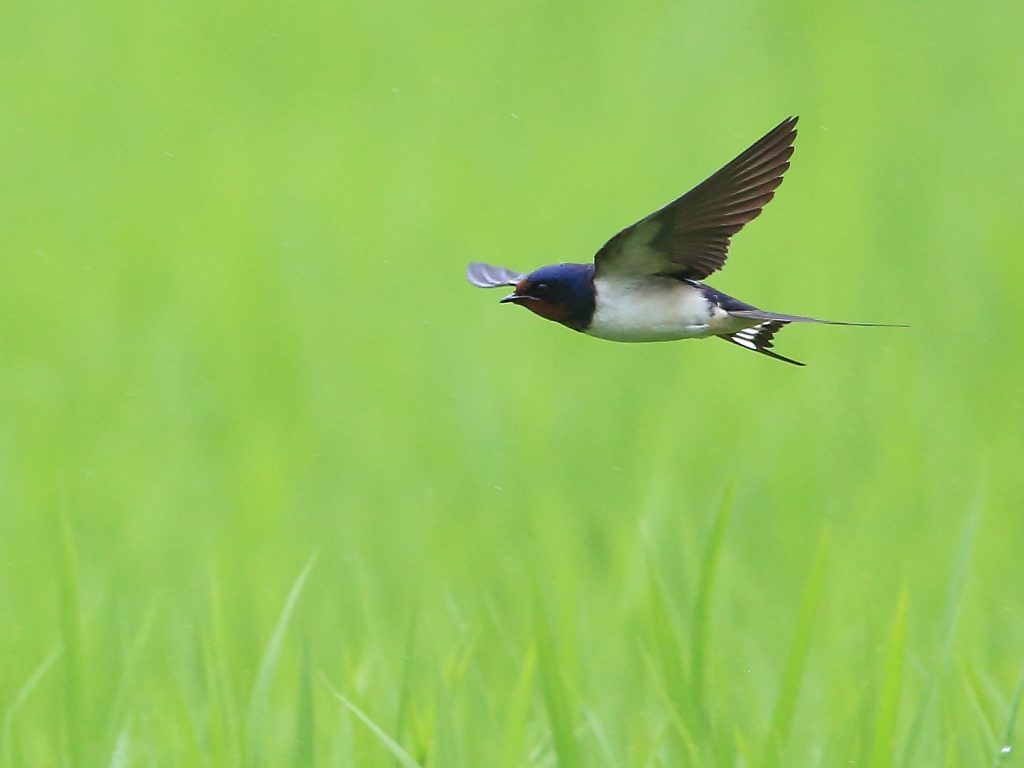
{"type": "Point", "coordinates": [279, 488]}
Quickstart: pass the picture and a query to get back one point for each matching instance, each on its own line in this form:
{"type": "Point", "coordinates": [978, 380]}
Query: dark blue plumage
{"type": "Point", "coordinates": [561, 292]}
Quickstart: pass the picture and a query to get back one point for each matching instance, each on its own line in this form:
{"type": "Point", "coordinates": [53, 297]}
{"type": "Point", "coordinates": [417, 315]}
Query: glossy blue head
{"type": "Point", "coordinates": [561, 292]}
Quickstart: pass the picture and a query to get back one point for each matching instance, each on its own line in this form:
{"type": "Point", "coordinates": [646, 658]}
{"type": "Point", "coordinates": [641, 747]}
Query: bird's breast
{"type": "Point", "coordinates": [649, 309]}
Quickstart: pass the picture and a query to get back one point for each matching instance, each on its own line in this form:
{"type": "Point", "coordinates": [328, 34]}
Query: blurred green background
{"type": "Point", "coordinates": [237, 347]}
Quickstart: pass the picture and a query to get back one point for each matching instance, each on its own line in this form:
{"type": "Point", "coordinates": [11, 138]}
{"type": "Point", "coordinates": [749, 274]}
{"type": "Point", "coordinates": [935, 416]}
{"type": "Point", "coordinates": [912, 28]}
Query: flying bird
{"type": "Point", "coordinates": [646, 282]}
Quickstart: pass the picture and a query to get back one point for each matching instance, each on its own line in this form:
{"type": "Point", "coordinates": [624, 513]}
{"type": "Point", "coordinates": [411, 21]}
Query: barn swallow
{"type": "Point", "coordinates": [645, 283]}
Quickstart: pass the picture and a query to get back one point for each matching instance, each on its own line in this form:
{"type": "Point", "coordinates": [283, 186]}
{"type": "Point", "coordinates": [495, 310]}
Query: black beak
{"type": "Point", "coordinates": [517, 298]}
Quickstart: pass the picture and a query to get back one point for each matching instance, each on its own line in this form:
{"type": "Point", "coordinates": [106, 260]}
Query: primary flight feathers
{"type": "Point", "coordinates": [690, 236]}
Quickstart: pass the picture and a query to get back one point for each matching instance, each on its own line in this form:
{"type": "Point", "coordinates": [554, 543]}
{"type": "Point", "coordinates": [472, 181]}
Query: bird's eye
{"type": "Point", "coordinates": [540, 288]}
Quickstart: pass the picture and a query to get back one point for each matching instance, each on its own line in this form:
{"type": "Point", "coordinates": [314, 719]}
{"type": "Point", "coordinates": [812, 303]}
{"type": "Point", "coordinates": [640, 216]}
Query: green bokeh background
{"type": "Point", "coordinates": [236, 340]}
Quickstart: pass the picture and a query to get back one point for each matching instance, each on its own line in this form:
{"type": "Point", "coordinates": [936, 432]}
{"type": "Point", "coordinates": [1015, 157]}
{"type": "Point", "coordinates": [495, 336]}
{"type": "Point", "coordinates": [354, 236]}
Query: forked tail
{"type": "Point", "coordinates": [759, 338]}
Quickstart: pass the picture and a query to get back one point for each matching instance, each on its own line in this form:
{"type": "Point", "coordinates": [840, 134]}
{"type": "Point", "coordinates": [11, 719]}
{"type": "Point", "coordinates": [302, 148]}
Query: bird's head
{"type": "Point", "coordinates": [560, 292]}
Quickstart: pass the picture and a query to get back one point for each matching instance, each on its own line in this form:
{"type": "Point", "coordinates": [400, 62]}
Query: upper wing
{"type": "Point", "coordinates": [488, 276]}
{"type": "Point", "coordinates": [690, 236]}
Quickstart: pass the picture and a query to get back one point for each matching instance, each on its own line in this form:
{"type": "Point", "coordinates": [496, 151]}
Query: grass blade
{"type": "Point", "coordinates": [883, 742]}
{"type": "Point", "coordinates": [519, 712]}
{"type": "Point", "coordinates": [71, 637]}
{"type": "Point", "coordinates": [702, 604]}
{"type": "Point", "coordinates": [555, 696]}
{"type": "Point", "coordinates": [980, 706]}
{"type": "Point", "coordinates": [792, 675]}
{"type": "Point", "coordinates": [19, 700]}
{"type": "Point", "coordinates": [954, 599]}
{"type": "Point", "coordinates": [667, 642]}
{"type": "Point", "coordinates": [1006, 743]}
{"type": "Point", "coordinates": [119, 757]}
{"type": "Point", "coordinates": [679, 726]}
{"type": "Point", "coordinates": [258, 699]}
{"type": "Point", "coordinates": [406, 685]}
{"type": "Point", "coordinates": [404, 758]}
{"type": "Point", "coordinates": [305, 723]}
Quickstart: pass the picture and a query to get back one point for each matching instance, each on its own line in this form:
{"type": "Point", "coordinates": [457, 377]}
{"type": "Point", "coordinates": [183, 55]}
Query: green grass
{"type": "Point", "coordinates": [278, 487]}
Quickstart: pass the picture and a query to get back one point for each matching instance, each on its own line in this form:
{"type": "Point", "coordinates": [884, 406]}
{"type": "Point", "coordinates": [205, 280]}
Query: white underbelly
{"type": "Point", "coordinates": [658, 309]}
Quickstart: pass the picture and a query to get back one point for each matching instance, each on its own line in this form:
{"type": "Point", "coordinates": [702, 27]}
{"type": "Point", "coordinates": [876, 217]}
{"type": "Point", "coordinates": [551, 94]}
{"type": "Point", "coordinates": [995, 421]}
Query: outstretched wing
{"type": "Point", "coordinates": [758, 338]}
{"type": "Point", "coordinates": [690, 237]}
{"type": "Point", "coordinates": [489, 276]}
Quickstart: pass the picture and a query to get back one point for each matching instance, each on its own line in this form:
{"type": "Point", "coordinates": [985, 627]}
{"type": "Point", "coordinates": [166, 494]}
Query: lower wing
{"type": "Point", "coordinates": [488, 276]}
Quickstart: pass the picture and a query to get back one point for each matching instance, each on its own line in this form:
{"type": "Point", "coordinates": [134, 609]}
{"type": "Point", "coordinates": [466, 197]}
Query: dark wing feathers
{"type": "Point", "coordinates": [758, 338]}
{"type": "Point", "coordinates": [690, 237]}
